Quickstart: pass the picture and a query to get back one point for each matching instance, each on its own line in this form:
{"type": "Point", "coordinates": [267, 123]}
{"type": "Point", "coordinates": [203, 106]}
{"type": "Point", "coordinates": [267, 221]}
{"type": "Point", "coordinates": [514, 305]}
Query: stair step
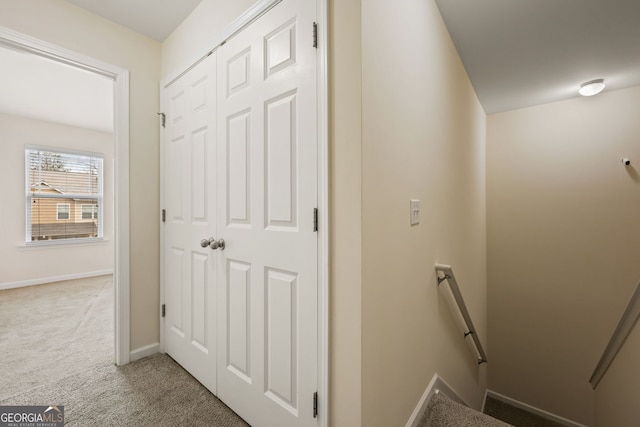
{"type": "Point", "coordinates": [516, 416]}
{"type": "Point", "coordinates": [444, 412]}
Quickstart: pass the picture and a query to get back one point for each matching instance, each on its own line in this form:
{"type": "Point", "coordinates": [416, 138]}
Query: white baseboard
{"type": "Point", "coordinates": [43, 280]}
{"type": "Point", "coordinates": [144, 351]}
{"type": "Point", "coordinates": [437, 385]}
{"type": "Point", "coordinates": [542, 413]}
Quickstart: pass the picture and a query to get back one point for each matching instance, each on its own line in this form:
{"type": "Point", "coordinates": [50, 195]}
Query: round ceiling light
{"type": "Point", "coordinates": [592, 87]}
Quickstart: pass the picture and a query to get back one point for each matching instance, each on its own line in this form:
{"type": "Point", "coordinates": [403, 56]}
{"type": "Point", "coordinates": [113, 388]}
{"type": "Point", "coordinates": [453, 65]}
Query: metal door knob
{"type": "Point", "coordinates": [213, 243]}
{"type": "Point", "coordinates": [218, 244]}
{"type": "Point", "coordinates": [206, 242]}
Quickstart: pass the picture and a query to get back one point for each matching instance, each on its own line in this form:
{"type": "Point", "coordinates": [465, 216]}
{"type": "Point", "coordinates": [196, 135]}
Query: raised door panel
{"type": "Point", "coordinates": [238, 332]}
{"type": "Point", "coordinates": [238, 168]}
{"type": "Point", "coordinates": [281, 177]}
{"type": "Point", "coordinates": [281, 338]}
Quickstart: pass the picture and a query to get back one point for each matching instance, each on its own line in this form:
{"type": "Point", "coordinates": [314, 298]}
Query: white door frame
{"type": "Point", "coordinates": [120, 77]}
{"type": "Point", "coordinates": [259, 9]}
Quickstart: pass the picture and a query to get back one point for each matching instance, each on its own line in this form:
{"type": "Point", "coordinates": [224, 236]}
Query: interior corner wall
{"type": "Point", "coordinates": [563, 244]}
{"type": "Point", "coordinates": [423, 137]}
{"type": "Point", "coordinates": [68, 26]}
{"type": "Point", "coordinates": [29, 265]}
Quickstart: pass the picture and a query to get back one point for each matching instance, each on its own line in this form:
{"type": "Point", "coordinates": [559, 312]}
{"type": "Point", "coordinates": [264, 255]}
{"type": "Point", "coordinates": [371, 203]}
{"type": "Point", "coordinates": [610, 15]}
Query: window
{"type": "Point", "coordinates": [64, 193]}
{"type": "Point", "coordinates": [89, 211]}
{"type": "Point", "coordinates": [63, 211]}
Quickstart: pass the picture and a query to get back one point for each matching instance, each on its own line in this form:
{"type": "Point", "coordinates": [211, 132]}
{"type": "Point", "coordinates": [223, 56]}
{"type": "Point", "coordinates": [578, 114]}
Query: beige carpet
{"type": "Point", "coordinates": [56, 348]}
{"type": "Point", "coordinates": [444, 412]}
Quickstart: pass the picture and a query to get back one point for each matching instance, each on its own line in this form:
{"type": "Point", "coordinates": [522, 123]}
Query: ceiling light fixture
{"type": "Point", "coordinates": [592, 87]}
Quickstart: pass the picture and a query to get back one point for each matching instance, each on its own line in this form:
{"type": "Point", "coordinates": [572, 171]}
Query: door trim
{"type": "Point", "coordinates": [260, 8]}
{"type": "Point", "coordinates": [323, 217]}
{"type": "Point", "coordinates": [120, 77]}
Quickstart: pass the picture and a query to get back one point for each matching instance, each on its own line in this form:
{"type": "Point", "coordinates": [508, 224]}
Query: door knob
{"type": "Point", "coordinates": [213, 243]}
{"type": "Point", "coordinates": [217, 244]}
{"type": "Point", "coordinates": [206, 242]}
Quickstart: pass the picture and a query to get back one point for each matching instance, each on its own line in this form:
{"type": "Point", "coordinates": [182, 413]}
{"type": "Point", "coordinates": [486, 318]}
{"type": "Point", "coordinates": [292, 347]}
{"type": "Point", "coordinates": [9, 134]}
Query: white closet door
{"type": "Point", "coordinates": [189, 193]}
{"type": "Point", "coordinates": [267, 193]}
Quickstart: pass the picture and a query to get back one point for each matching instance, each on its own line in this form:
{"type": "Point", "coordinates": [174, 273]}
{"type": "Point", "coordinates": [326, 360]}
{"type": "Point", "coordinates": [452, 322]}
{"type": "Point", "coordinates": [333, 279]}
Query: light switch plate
{"type": "Point", "coordinates": [414, 211]}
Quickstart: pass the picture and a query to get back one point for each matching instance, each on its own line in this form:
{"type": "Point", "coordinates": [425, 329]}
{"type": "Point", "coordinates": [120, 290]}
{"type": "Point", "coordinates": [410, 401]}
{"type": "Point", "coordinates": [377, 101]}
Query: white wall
{"type": "Point", "coordinates": [563, 244]}
{"type": "Point", "coordinates": [27, 265]}
{"type": "Point", "coordinates": [66, 25]}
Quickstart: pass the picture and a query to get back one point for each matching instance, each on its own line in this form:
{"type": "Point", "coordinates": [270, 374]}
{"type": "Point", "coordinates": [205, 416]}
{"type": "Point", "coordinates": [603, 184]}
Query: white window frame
{"type": "Point", "coordinates": [99, 197]}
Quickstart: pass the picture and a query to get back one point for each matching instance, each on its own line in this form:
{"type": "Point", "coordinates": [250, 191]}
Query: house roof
{"type": "Point", "coordinates": [43, 183]}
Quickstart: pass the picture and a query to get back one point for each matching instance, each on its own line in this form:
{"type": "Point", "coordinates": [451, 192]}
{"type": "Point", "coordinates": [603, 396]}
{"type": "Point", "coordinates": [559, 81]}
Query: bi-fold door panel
{"type": "Point", "coordinates": [189, 182]}
{"type": "Point", "coordinates": [267, 154]}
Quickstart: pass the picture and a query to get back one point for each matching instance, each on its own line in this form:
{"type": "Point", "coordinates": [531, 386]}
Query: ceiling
{"type": "Point", "coordinates": [153, 18]}
{"type": "Point", "coordinates": [39, 88]}
{"type": "Point", "coordinates": [520, 53]}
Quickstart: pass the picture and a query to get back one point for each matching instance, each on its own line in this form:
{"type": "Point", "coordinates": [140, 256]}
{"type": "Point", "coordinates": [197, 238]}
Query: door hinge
{"type": "Point", "coordinates": [164, 310]}
{"type": "Point", "coordinates": [164, 215]}
{"type": "Point", "coordinates": [163, 119]}
{"type": "Point", "coordinates": [315, 405]}
{"type": "Point", "coordinates": [315, 219]}
{"type": "Point", "coordinates": [315, 35]}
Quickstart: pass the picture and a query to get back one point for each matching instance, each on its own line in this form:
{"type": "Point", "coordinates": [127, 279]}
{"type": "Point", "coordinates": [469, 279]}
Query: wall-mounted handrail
{"type": "Point", "coordinates": [625, 325]}
{"type": "Point", "coordinates": [460, 306]}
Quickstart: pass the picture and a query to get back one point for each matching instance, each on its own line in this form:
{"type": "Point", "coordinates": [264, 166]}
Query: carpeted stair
{"type": "Point", "coordinates": [444, 412]}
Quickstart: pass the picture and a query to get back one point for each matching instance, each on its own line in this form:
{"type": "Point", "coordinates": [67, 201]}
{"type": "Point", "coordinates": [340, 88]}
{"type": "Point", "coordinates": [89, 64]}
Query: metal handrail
{"type": "Point", "coordinates": [470, 330]}
{"type": "Point", "coordinates": [622, 331]}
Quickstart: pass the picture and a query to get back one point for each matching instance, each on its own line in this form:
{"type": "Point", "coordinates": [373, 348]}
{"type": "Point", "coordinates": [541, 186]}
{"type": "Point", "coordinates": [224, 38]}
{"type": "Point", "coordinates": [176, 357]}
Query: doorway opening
{"type": "Point", "coordinates": [117, 177]}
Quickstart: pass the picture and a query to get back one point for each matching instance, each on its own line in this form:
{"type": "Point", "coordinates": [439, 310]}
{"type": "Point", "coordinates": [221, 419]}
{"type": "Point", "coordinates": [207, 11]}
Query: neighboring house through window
{"type": "Point", "coordinates": [64, 194]}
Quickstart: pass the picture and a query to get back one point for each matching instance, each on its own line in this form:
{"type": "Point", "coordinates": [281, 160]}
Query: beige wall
{"type": "Point", "coordinates": [61, 23]}
{"type": "Point", "coordinates": [345, 139]}
{"type": "Point", "coordinates": [617, 394]}
{"type": "Point", "coordinates": [22, 264]}
{"type": "Point", "coordinates": [563, 244]}
{"type": "Point", "coordinates": [423, 137]}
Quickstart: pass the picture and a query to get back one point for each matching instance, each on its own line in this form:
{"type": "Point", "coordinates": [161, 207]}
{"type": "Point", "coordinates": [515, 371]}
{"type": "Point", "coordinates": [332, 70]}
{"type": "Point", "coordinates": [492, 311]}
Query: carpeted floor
{"type": "Point", "coordinates": [56, 348]}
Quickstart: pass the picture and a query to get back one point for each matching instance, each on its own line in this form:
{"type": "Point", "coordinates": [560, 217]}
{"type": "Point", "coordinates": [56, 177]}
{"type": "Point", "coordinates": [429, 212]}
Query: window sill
{"type": "Point", "coordinates": [64, 243]}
